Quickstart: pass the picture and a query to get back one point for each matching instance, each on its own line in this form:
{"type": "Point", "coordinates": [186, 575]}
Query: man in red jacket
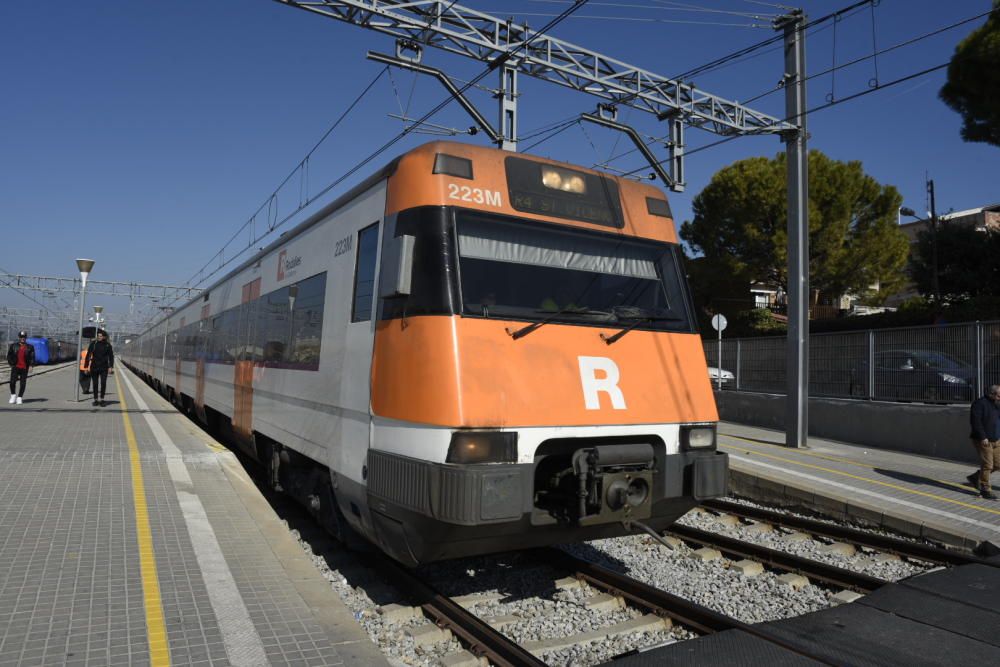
{"type": "Point", "coordinates": [21, 357]}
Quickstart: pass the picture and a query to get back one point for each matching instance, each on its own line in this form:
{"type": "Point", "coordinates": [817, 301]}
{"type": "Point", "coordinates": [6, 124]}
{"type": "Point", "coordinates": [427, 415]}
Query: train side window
{"type": "Point", "coordinates": [364, 274]}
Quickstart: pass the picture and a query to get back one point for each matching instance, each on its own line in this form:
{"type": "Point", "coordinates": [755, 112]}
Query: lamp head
{"type": "Point", "coordinates": [85, 265]}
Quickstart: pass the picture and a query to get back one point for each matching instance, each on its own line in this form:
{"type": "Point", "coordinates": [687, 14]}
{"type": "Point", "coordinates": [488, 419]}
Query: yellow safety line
{"type": "Point", "coordinates": [872, 481]}
{"type": "Point", "coordinates": [159, 649]}
{"type": "Point", "coordinates": [835, 459]}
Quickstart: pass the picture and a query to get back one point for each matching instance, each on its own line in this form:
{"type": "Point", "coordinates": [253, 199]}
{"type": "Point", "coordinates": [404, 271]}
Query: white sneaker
{"type": "Point", "coordinates": [13, 397]}
{"type": "Point", "coordinates": [19, 400]}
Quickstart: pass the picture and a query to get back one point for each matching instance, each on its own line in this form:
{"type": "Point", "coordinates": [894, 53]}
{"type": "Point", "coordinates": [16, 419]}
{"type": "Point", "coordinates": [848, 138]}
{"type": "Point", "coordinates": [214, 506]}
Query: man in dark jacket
{"type": "Point", "coordinates": [21, 357]}
{"type": "Point", "coordinates": [100, 358]}
{"type": "Point", "coordinates": [985, 420]}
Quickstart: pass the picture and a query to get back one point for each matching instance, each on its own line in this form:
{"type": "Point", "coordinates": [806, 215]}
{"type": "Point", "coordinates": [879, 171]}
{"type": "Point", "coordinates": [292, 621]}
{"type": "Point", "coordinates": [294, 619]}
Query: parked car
{"type": "Point", "coordinates": [919, 375]}
{"type": "Point", "coordinates": [727, 376]}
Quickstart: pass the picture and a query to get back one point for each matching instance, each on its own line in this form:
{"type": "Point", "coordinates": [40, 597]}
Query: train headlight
{"type": "Point", "coordinates": [697, 437]}
{"type": "Point", "coordinates": [483, 447]}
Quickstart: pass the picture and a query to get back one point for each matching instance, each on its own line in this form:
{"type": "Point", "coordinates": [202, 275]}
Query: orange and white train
{"type": "Point", "coordinates": [471, 351]}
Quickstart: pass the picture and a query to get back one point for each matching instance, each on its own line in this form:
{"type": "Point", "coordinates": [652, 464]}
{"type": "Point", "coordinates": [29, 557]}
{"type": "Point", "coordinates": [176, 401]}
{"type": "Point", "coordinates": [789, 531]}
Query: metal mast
{"type": "Point", "coordinates": [474, 34]}
{"type": "Point", "coordinates": [797, 159]}
{"type": "Point", "coordinates": [131, 289]}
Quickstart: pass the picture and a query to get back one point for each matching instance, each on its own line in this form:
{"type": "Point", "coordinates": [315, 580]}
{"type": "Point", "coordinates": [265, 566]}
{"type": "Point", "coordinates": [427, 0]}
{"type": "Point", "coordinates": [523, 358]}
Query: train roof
{"type": "Point", "coordinates": [471, 151]}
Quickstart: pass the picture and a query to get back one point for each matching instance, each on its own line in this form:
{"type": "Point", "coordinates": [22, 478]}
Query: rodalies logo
{"type": "Point", "coordinates": [286, 265]}
{"type": "Point", "coordinates": [593, 385]}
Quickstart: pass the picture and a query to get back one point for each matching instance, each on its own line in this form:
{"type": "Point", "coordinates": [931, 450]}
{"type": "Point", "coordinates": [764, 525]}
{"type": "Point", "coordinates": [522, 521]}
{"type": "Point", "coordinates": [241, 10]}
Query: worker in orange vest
{"type": "Point", "coordinates": [84, 372]}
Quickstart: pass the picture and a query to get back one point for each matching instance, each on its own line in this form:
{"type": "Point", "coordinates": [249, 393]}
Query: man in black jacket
{"type": "Point", "coordinates": [985, 420]}
{"type": "Point", "coordinates": [100, 358]}
{"type": "Point", "coordinates": [21, 357]}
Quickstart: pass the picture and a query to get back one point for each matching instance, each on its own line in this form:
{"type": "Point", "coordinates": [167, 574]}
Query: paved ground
{"type": "Point", "coordinates": [128, 537]}
{"type": "Point", "coordinates": [918, 495]}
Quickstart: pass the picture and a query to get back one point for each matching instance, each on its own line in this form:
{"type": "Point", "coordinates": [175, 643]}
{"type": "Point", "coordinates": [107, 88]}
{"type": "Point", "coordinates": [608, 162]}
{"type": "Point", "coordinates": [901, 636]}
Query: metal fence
{"type": "Point", "coordinates": [950, 363]}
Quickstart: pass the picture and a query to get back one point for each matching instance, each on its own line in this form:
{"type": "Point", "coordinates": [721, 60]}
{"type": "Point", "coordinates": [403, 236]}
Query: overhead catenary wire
{"type": "Point", "coordinates": [770, 4]}
{"type": "Point", "coordinates": [267, 205]}
{"type": "Point", "coordinates": [21, 291]}
{"type": "Point", "coordinates": [831, 70]}
{"type": "Point", "coordinates": [718, 62]}
{"type": "Point", "coordinates": [641, 19]}
{"type": "Point", "coordinates": [759, 50]}
{"type": "Point", "coordinates": [816, 109]}
{"type": "Point", "coordinates": [542, 129]}
{"type": "Point", "coordinates": [403, 133]}
{"type": "Point", "coordinates": [659, 5]}
{"type": "Point", "coordinates": [554, 132]}
{"type": "Point", "coordinates": [272, 199]}
{"type": "Point", "coordinates": [496, 63]}
{"type": "Point", "coordinates": [687, 6]}
{"type": "Point", "coordinates": [888, 49]}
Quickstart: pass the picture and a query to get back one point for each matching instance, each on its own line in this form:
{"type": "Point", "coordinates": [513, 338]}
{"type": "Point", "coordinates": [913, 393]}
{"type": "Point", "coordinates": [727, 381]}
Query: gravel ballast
{"type": "Point", "coordinates": [521, 594]}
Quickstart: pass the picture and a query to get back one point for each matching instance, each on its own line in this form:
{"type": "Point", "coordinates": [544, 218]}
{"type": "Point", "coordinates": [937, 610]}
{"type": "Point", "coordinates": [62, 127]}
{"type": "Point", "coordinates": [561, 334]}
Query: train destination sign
{"type": "Point", "coordinates": [542, 189]}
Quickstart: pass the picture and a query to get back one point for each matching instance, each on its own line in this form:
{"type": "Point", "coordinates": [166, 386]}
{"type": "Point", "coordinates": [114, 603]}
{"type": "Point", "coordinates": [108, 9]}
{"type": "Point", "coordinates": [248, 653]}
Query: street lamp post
{"type": "Point", "coordinates": [85, 266]}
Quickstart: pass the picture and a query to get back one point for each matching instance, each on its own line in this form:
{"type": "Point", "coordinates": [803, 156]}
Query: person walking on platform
{"type": "Point", "coordinates": [100, 359]}
{"type": "Point", "coordinates": [985, 420]}
{"type": "Point", "coordinates": [21, 357]}
{"type": "Point", "coordinates": [84, 373]}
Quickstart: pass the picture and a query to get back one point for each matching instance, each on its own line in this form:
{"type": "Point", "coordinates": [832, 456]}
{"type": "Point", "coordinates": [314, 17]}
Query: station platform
{"type": "Point", "coordinates": [130, 537]}
{"type": "Point", "coordinates": [909, 494]}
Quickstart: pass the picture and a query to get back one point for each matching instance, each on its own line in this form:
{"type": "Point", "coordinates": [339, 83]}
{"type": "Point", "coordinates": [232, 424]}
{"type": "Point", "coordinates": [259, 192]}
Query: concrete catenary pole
{"type": "Point", "coordinates": [797, 157]}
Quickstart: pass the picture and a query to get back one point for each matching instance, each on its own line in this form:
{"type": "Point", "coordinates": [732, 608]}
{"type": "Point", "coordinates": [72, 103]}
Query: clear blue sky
{"type": "Point", "coordinates": [144, 134]}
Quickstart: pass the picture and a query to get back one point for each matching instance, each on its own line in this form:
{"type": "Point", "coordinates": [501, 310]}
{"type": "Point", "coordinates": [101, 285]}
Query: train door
{"type": "Point", "coordinates": [359, 340]}
{"type": "Point", "coordinates": [243, 366]}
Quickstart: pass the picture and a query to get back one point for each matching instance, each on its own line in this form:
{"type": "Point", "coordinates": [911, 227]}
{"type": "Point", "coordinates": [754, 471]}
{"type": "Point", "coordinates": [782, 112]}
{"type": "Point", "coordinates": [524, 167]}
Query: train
{"type": "Point", "coordinates": [471, 351]}
{"type": "Point", "coordinates": [51, 351]}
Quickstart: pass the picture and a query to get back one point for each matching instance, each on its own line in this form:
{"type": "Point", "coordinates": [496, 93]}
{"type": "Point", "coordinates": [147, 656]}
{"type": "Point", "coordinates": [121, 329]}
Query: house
{"type": "Point", "coordinates": [981, 219]}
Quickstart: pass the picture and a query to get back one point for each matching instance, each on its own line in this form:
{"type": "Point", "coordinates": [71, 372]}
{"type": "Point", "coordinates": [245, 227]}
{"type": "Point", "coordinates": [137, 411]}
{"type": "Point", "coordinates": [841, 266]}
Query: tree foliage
{"type": "Point", "coordinates": [973, 86]}
{"type": "Point", "coordinates": [968, 262]}
{"type": "Point", "coordinates": [740, 223]}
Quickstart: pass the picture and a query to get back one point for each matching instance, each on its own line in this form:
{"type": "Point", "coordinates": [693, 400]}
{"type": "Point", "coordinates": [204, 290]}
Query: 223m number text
{"type": "Point", "coordinates": [474, 195]}
{"type": "Point", "coordinates": [342, 246]}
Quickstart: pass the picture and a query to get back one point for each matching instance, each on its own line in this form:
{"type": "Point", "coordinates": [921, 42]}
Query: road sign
{"type": "Point", "coordinates": [719, 322]}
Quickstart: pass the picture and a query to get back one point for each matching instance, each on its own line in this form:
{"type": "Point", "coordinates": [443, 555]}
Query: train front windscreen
{"type": "Point", "coordinates": [527, 270]}
{"type": "Point", "coordinates": [487, 265]}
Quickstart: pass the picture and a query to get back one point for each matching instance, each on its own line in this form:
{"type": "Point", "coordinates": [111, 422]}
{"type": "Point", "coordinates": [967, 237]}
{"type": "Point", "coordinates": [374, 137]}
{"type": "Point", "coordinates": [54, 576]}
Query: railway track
{"type": "Point", "coordinates": [482, 640]}
{"type": "Point", "coordinates": [452, 630]}
{"type": "Point", "coordinates": [478, 637]}
{"type": "Point", "coordinates": [811, 569]}
{"type": "Point", "coordinates": [853, 536]}
{"type": "Point", "coordinates": [436, 617]}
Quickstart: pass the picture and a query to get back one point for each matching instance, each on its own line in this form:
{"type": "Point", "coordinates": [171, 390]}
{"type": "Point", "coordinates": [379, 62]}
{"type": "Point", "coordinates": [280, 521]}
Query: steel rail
{"type": "Point", "coordinates": [829, 574]}
{"type": "Point", "coordinates": [687, 613]}
{"type": "Point", "coordinates": [663, 604]}
{"type": "Point", "coordinates": [850, 535]}
{"type": "Point", "coordinates": [479, 637]}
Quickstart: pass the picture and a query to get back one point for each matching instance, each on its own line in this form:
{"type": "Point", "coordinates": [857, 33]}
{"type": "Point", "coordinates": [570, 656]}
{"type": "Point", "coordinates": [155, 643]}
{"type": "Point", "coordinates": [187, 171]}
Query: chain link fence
{"type": "Point", "coordinates": [951, 363]}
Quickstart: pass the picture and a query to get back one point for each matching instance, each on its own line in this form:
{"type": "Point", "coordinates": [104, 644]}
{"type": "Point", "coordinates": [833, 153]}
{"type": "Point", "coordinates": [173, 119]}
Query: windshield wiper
{"type": "Point", "coordinates": [639, 320]}
{"type": "Point", "coordinates": [574, 310]}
